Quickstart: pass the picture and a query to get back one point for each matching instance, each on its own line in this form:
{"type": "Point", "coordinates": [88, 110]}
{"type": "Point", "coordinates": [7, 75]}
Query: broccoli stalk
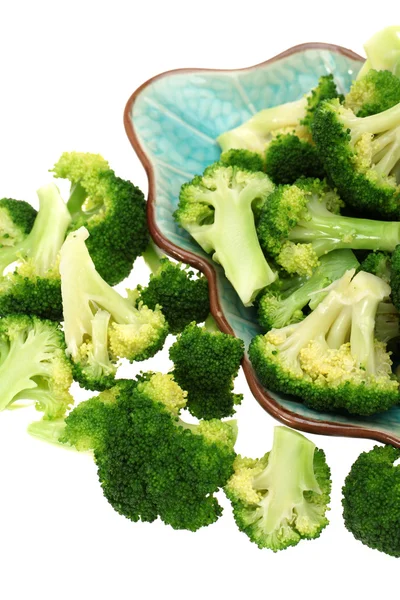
{"type": "Point", "coordinates": [383, 52]}
{"type": "Point", "coordinates": [282, 498]}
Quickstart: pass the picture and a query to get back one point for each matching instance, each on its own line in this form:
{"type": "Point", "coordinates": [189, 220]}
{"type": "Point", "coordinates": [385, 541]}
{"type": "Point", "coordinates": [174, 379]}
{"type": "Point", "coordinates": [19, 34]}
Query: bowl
{"type": "Point", "coordinates": [172, 121]}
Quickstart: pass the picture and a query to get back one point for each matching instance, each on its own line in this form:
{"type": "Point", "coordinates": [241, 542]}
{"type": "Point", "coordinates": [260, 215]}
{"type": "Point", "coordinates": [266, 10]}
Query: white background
{"type": "Point", "coordinates": [66, 71]}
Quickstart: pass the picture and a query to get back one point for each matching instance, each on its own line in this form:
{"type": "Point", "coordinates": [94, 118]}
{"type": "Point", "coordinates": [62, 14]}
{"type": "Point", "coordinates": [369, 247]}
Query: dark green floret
{"type": "Point", "coordinates": [281, 498]}
{"type": "Point", "coordinates": [375, 92]}
{"type": "Point", "coordinates": [244, 159]}
{"type": "Point", "coordinates": [16, 221]}
{"type": "Point", "coordinates": [206, 363]}
{"type": "Point", "coordinates": [288, 157]}
{"type": "Point", "coordinates": [379, 264]}
{"type": "Point", "coordinates": [183, 298]}
{"type": "Point", "coordinates": [112, 209]}
{"type": "Point", "coordinates": [331, 359]}
{"type": "Point", "coordinates": [371, 500]}
{"type": "Point", "coordinates": [325, 90]}
{"type": "Point", "coordinates": [395, 277]}
{"type": "Point", "coordinates": [217, 209]}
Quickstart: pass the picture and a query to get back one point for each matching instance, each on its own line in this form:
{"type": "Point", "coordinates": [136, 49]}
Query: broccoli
{"type": "Point", "coordinates": [387, 322]}
{"type": "Point", "coordinates": [374, 93]}
{"type": "Point", "coordinates": [379, 264]}
{"type": "Point", "coordinates": [371, 499]}
{"type": "Point", "coordinates": [150, 463]}
{"type": "Point", "coordinates": [299, 223]}
{"type": "Point", "coordinates": [34, 286]}
{"type": "Point", "coordinates": [277, 308]}
{"type": "Point", "coordinates": [244, 159]}
{"type": "Point", "coordinates": [33, 365]}
{"type": "Point", "coordinates": [383, 52]}
{"type": "Point", "coordinates": [113, 211]}
{"type": "Point", "coordinates": [217, 210]}
{"type": "Point", "coordinates": [100, 325]}
{"type": "Point", "coordinates": [288, 157]}
{"type": "Point", "coordinates": [206, 363]}
{"type": "Point", "coordinates": [331, 360]}
{"type": "Point", "coordinates": [395, 277]}
{"type": "Point", "coordinates": [16, 221]}
{"type": "Point", "coordinates": [361, 156]}
{"type": "Point", "coordinates": [281, 498]}
{"type": "Point", "coordinates": [182, 298]}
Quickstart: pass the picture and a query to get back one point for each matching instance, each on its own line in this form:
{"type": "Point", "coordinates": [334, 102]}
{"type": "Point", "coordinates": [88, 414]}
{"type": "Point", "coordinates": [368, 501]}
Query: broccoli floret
{"type": "Point", "coordinates": [325, 90]}
{"type": "Point", "coordinates": [371, 500]}
{"type": "Point", "coordinates": [281, 498]}
{"type": "Point", "coordinates": [182, 297]}
{"type": "Point", "coordinates": [33, 365]}
{"type": "Point", "coordinates": [374, 93]}
{"type": "Point", "coordinates": [361, 156]}
{"type": "Point", "coordinates": [34, 286]}
{"type": "Point", "coordinates": [288, 157]}
{"type": "Point", "coordinates": [112, 210]}
{"type": "Point", "coordinates": [16, 221]}
{"type": "Point", "coordinates": [383, 52]}
{"type": "Point", "coordinates": [206, 362]}
{"type": "Point", "coordinates": [379, 264]}
{"type": "Point", "coordinates": [277, 308]}
{"type": "Point", "coordinates": [150, 463]}
{"type": "Point", "coordinates": [331, 360]}
{"type": "Point", "coordinates": [244, 159]}
{"type": "Point", "coordinates": [100, 325]}
{"type": "Point", "coordinates": [395, 277]}
{"type": "Point", "coordinates": [217, 210]}
{"type": "Point", "coordinates": [299, 223]}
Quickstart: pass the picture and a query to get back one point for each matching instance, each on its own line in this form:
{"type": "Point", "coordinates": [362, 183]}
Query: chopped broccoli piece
{"type": "Point", "coordinates": [100, 325]}
{"type": "Point", "coordinates": [244, 159]}
{"type": "Point", "coordinates": [288, 157]}
{"type": "Point", "coordinates": [395, 277]}
{"type": "Point", "coordinates": [206, 363]}
{"type": "Point", "coordinates": [383, 52]}
{"type": "Point", "coordinates": [182, 297]}
{"type": "Point", "coordinates": [361, 156]}
{"type": "Point", "coordinates": [34, 285]}
{"type": "Point", "coordinates": [113, 211]}
{"type": "Point", "coordinates": [299, 223]}
{"type": "Point", "coordinates": [331, 359]}
{"type": "Point", "coordinates": [371, 499]}
{"type": "Point", "coordinates": [281, 498]}
{"type": "Point", "coordinates": [16, 221]}
{"type": "Point", "coordinates": [379, 264]}
{"type": "Point", "coordinates": [374, 93]}
{"type": "Point", "coordinates": [387, 322]}
{"type": "Point", "coordinates": [217, 210]}
{"type": "Point", "coordinates": [169, 469]}
{"type": "Point", "coordinates": [325, 90]}
{"type": "Point", "coordinates": [277, 308]}
{"type": "Point", "coordinates": [33, 365]}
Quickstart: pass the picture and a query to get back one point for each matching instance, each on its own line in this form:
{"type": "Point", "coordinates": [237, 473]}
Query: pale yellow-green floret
{"type": "Point", "coordinates": [362, 157]}
{"type": "Point", "coordinates": [298, 258]}
{"type": "Point", "coordinates": [81, 166]}
{"type": "Point", "coordinates": [86, 357]}
{"type": "Point", "coordinates": [27, 268]}
{"type": "Point", "coordinates": [219, 432]}
{"type": "Point", "coordinates": [162, 388]}
{"type": "Point", "coordinates": [132, 339]}
{"type": "Point", "coordinates": [240, 485]}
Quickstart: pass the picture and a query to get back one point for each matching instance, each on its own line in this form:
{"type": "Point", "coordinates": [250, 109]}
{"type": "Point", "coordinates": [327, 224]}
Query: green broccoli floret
{"type": "Point", "coordinates": [383, 52]}
{"type": "Point", "coordinates": [217, 210]}
{"type": "Point", "coordinates": [379, 264]}
{"type": "Point", "coordinates": [33, 365]}
{"type": "Point", "coordinates": [374, 93]}
{"type": "Point", "coordinates": [244, 159]}
{"type": "Point", "coordinates": [112, 210]}
{"type": "Point", "coordinates": [299, 223]}
{"type": "Point", "coordinates": [277, 308]}
{"type": "Point", "coordinates": [288, 157]}
{"type": "Point", "coordinates": [331, 360]}
{"type": "Point", "coordinates": [34, 287]}
{"type": "Point", "coordinates": [395, 277]}
{"type": "Point", "coordinates": [281, 498]}
{"type": "Point", "coordinates": [182, 297]}
{"type": "Point", "coordinates": [100, 325]}
{"type": "Point", "coordinates": [325, 90]}
{"type": "Point", "coordinates": [371, 499]}
{"type": "Point", "coordinates": [150, 463]}
{"type": "Point", "coordinates": [16, 221]}
{"type": "Point", "coordinates": [206, 362]}
{"type": "Point", "coordinates": [361, 156]}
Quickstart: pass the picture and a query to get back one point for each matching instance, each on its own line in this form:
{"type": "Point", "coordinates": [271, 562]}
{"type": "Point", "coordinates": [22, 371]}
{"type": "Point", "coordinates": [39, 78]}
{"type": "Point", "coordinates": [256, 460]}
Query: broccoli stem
{"type": "Point", "coordinates": [77, 197]}
{"type": "Point", "coordinates": [339, 333]}
{"type": "Point", "coordinates": [211, 325]}
{"type": "Point", "coordinates": [49, 431]}
{"type": "Point", "coordinates": [383, 121]}
{"type": "Point", "coordinates": [386, 152]}
{"type": "Point", "coordinates": [292, 454]}
{"type": "Point", "coordinates": [383, 52]}
{"type": "Point", "coordinates": [100, 324]}
{"type": "Point", "coordinates": [152, 257]}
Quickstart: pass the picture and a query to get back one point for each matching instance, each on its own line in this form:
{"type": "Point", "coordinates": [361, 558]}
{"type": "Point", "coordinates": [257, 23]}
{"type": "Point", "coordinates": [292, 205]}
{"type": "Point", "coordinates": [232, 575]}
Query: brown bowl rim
{"type": "Point", "coordinates": [268, 403]}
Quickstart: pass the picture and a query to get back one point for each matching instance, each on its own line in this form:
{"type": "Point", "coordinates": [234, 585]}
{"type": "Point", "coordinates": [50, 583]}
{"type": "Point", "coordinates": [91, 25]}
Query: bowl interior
{"type": "Point", "coordinates": [175, 119]}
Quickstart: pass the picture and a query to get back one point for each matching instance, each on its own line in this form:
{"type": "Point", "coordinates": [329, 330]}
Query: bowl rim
{"type": "Point", "coordinates": [268, 403]}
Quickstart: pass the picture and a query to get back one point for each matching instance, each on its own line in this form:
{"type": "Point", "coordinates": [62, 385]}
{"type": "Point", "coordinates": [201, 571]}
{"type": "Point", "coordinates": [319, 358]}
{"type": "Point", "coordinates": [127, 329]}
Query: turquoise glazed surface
{"type": "Point", "coordinates": [176, 118]}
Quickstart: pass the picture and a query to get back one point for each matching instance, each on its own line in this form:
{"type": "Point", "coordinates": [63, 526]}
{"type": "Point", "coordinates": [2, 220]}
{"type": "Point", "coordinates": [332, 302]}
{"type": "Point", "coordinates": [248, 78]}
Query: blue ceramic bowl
{"type": "Point", "coordinates": [172, 121]}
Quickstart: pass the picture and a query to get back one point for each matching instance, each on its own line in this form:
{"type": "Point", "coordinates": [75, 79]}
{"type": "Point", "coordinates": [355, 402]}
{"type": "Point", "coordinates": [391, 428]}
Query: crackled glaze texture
{"type": "Point", "coordinates": [173, 121]}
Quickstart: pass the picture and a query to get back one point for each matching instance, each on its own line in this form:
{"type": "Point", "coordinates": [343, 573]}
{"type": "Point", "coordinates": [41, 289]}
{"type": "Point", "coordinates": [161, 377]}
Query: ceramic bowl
{"type": "Point", "coordinates": [172, 121]}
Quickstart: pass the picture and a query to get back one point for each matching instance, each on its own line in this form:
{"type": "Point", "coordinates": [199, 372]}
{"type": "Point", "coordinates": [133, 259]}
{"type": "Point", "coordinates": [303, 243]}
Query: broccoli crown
{"type": "Point", "coordinates": [325, 90]}
{"type": "Point", "coordinates": [379, 264]}
{"type": "Point", "coordinates": [100, 325]}
{"type": "Point", "coordinates": [331, 360]}
{"type": "Point", "coordinates": [277, 511]}
{"type": "Point", "coordinates": [375, 92]}
{"type": "Point", "coordinates": [395, 277]}
{"type": "Point", "coordinates": [34, 286]}
{"type": "Point", "coordinates": [205, 365]}
{"type": "Point", "coordinates": [244, 159]}
{"type": "Point", "coordinates": [361, 156]}
{"type": "Point", "coordinates": [288, 157]}
{"type": "Point", "coordinates": [217, 210]}
{"type": "Point", "coordinates": [16, 221]}
{"type": "Point", "coordinates": [182, 297]}
{"type": "Point", "coordinates": [300, 223]}
{"type": "Point", "coordinates": [33, 365]}
{"type": "Point", "coordinates": [280, 307]}
{"type": "Point", "coordinates": [170, 470]}
{"type": "Point", "coordinates": [371, 500]}
{"type": "Point", "coordinates": [112, 209]}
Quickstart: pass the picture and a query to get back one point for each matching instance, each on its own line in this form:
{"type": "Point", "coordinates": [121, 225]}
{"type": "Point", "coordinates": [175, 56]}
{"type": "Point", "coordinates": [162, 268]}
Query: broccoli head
{"type": "Point", "coordinates": [288, 157]}
{"type": "Point", "coordinates": [244, 159]}
{"type": "Point", "coordinates": [16, 221]}
{"type": "Point", "coordinates": [379, 264]}
{"type": "Point", "coordinates": [281, 498]}
{"type": "Point", "coordinates": [371, 499]}
{"type": "Point", "coordinates": [374, 93]}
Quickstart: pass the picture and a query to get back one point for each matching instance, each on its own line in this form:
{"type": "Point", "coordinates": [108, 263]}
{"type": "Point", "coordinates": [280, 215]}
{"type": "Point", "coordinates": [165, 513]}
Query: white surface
{"type": "Point", "coordinates": [67, 70]}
